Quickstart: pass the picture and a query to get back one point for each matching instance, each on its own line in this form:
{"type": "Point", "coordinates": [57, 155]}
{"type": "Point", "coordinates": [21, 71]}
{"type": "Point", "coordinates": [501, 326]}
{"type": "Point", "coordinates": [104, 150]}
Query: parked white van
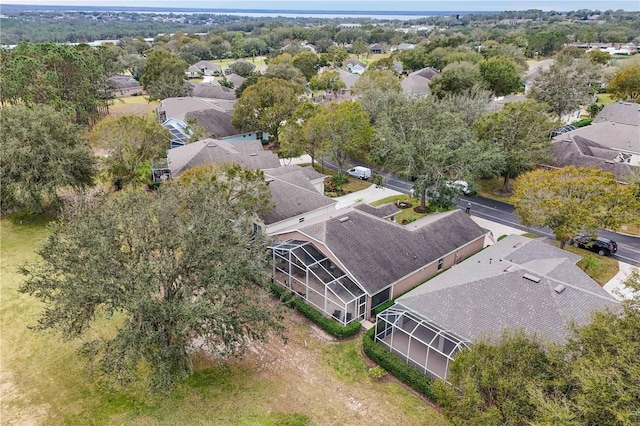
{"type": "Point", "coordinates": [360, 172]}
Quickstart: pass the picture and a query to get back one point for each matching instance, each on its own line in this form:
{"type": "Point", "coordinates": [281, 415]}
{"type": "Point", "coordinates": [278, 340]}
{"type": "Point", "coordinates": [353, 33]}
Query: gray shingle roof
{"type": "Point", "coordinates": [236, 79]}
{"type": "Point", "coordinates": [618, 136]}
{"type": "Point", "coordinates": [382, 211]}
{"type": "Point", "coordinates": [620, 112]}
{"type": "Point", "coordinates": [308, 172]}
{"type": "Point", "coordinates": [488, 292]}
{"type": "Point", "coordinates": [213, 151]}
{"type": "Point", "coordinates": [213, 91]}
{"type": "Point", "coordinates": [378, 252]}
{"type": "Point", "coordinates": [582, 152]}
{"type": "Point", "coordinates": [293, 195]}
{"type": "Point", "coordinates": [179, 107]}
{"type": "Point", "coordinates": [415, 84]}
{"type": "Point", "coordinates": [217, 122]}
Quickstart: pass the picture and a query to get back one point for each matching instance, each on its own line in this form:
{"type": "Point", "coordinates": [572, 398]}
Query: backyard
{"type": "Point", "coordinates": [312, 380]}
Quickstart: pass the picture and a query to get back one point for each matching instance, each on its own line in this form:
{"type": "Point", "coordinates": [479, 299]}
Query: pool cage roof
{"type": "Point", "coordinates": [322, 267]}
{"type": "Point", "coordinates": [425, 331]}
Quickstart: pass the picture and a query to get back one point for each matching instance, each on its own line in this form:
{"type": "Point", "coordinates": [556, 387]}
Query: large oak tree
{"type": "Point", "coordinates": [521, 132]}
{"type": "Point", "coordinates": [41, 152]}
{"type": "Point", "coordinates": [266, 105]}
{"type": "Point", "coordinates": [167, 273]}
{"type": "Point", "coordinates": [571, 200]}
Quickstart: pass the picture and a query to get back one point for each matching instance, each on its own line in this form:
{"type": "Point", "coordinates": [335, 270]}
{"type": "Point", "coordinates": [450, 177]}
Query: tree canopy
{"type": "Point", "coordinates": [422, 139]}
{"type": "Point", "coordinates": [65, 77]}
{"type": "Point", "coordinates": [130, 142]}
{"type": "Point", "coordinates": [266, 105]}
{"type": "Point", "coordinates": [566, 85]}
{"type": "Point", "coordinates": [169, 272]}
{"type": "Point", "coordinates": [164, 74]}
{"type": "Point", "coordinates": [42, 152]}
{"type": "Point", "coordinates": [343, 130]}
{"type": "Point", "coordinates": [501, 75]}
{"type": "Point", "coordinates": [571, 200]}
{"type": "Point", "coordinates": [521, 131]}
{"type": "Point", "coordinates": [626, 84]}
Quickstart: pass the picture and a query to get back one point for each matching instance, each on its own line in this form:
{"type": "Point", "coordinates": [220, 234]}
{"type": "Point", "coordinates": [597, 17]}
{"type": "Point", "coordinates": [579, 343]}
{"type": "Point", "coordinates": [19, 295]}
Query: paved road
{"type": "Point", "coordinates": [497, 211]}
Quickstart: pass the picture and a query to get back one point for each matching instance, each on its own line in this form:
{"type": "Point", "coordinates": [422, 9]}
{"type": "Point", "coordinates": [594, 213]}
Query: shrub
{"type": "Point", "coordinates": [583, 122]}
{"type": "Point", "coordinates": [330, 326]}
{"type": "Point", "coordinates": [377, 372]}
{"type": "Point", "coordinates": [339, 180]}
{"type": "Point", "coordinates": [502, 237]}
{"type": "Point", "coordinates": [396, 366]}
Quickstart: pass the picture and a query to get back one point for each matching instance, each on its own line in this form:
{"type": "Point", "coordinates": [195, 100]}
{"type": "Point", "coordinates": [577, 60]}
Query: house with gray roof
{"type": "Point", "coordinates": [208, 68]}
{"type": "Point", "coordinates": [298, 196]}
{"type": "Point", "coordinates": [621, 112]}
{"type": "Point", "coordinates": [248, 154]}
{"type": "Point", "coordinates": [616, 136]}
{"type": "Point", "coordinates": [352, 260]}
{"type": "Point", "coordinates": [517, 283]}
{"type": "Point", "coordinates": [417, 82]}
{"type": "Point", "coordinates": [574, 150]}
{"type": "Point", "coordinates": [212, 114]}
{"type": "Point", "coordinates": [213, 90]}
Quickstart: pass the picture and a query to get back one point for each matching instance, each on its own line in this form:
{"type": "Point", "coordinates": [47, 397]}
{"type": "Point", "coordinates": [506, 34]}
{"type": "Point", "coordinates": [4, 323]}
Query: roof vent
{"type": "Point", "coordinates": [609, 161]}
{"type": "Point", "coordinates": [509, 268]}
{"type": "Point", "coordinates": [517, 245]}
{"type": "Point", "coordinates": [254, 154]}
{"type": "Point", "coordinates": [531, 278]}
{"type": "Point", "coordinates": [559, 288]}
{"type": "Point", "coordinates": [211, 144]}
{"type": "Point", "coordinates": [268, 180]}
{"type": "Point", "coordinates": [344, 219]}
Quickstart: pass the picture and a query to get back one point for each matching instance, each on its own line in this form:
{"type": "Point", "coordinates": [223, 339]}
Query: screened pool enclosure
{"type": "Point", "coordinates": [417, 341]}
{"type": "Point", "coordinates": [312, 276]}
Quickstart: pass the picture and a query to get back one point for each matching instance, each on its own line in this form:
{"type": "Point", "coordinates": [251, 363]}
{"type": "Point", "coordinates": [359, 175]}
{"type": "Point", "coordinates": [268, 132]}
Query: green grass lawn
{"type": "Point", "coordinates": [486, 188]}
{"type": "Point", "coordinates": [600, 268]}
{"type": "Point", "coordinates": [308, 381]}
{"type": "Point", "coordinates": [604, 99]}
{"type": "Point", "coordinates": [352, 185]}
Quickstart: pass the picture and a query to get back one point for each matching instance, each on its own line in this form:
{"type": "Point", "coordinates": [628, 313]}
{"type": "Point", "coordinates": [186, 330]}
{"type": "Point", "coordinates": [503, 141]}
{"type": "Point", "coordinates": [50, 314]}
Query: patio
{"type": "Point", "coordinates": [308, 273]}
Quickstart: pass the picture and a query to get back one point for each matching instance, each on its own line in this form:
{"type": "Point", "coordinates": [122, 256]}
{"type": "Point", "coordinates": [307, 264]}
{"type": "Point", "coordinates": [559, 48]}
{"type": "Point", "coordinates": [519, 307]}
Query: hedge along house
{"type": "Point", "coordinates": [350, 261]}
{"type": "Point", "coordinates": [517, 283]}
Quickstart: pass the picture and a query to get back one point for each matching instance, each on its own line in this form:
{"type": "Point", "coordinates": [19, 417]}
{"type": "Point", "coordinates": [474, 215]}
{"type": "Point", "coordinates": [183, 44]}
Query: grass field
{"type": "Point", "coordinates": [312, 380]}
{"type": "Point", "coordinates": [133, 105]}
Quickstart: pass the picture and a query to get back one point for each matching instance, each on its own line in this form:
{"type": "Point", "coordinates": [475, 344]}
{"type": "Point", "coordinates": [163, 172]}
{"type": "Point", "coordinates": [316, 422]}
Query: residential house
{"type": "Point", "coordinates": [616, 127]}
{"type": "Point", "coordinates": [349, 261]}
{"type": "Point", "coordinates": [378, 48]}
{"type": "Point", "coordinates": [574, 150]}
{"type": "Point", "coordinates": [208, 68]}
{"type": "Point", "coordinates": [192, 72]}
{"type": "Point", "coordinates": [356, 68]}
{"type": "Point", "coordinates": [212, 114]}
{"type": "Point", "coordinates": [405, 46]}
{"type": "Point", "coordinates": [124, 85]}
{"type": "Point", "coordinates": [248, 154]}
{"type": "Point", "coordinates": [213, 90]}
{"type": "Point", "coordinates": [517, 283]}
{"type": "Point", "coordinates": [236, 79]}
{"type": "Point", "coordinates": [298, 196]}
{"type": "Point", "coordinates": [417, 82]}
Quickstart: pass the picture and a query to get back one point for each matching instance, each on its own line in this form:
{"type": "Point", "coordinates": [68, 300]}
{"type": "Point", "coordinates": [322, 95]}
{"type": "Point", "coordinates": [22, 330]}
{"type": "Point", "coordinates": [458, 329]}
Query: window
{"type": "Point", "coordinates": [440, 264]}
{"type": "Point", "coordinates": [256, 228]}
{"type": "Point", "coordinates": [380, 298]}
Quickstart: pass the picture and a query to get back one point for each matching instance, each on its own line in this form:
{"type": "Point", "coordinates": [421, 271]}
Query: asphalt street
{"type": "Point", "coordinates": [497, 211]}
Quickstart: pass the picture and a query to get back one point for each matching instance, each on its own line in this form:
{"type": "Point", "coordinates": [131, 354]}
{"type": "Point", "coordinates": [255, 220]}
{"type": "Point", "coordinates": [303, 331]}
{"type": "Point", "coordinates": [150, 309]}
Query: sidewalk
{"type": "Point", "coordinates": [616, 286]}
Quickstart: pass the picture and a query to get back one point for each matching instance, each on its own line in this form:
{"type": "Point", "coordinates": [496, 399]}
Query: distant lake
{"type": "Point", "coordinates": [254, 13]}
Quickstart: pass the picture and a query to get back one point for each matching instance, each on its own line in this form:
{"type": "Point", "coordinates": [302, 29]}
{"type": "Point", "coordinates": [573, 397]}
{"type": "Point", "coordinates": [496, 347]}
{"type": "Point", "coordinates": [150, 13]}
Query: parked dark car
{"type": "Point", "coordinates": [598, 245]}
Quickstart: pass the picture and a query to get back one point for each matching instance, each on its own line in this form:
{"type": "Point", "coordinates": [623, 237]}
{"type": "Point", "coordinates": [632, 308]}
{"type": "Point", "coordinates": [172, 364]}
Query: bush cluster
{"type": "Point", "coordinates": [407, 374]}
{"type": "Point", "coordinates": [583, 122]}
{"type": "Point", "coordinates": [330, 326]}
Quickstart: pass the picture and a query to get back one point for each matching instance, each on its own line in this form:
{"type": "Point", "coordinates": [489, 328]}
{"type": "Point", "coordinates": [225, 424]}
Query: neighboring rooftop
{"type": "Point", "coordinates": [518, 282]}
{"type": "Point", "coordinates": [392, 250]}
{"type": "Point", "coordinates": [582, 152]}
{"type": "Point", "coordinates": [248, 154]}
{"type": "Point", "coordinates": [620, 112]}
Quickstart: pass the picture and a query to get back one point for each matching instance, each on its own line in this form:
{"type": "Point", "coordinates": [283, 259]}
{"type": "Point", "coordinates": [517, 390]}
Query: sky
{"type": "Point", "coordinates": [359, 5]}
